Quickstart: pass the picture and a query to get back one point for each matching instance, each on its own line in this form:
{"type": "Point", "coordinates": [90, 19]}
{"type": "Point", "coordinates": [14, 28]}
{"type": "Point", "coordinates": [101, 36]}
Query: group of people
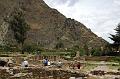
{"type": "Point", "coordinates": [59, 64]}
{"type": "Point", "coordinates": [10, 63]}
{"type": "Point", "coordinates": [46, 62]}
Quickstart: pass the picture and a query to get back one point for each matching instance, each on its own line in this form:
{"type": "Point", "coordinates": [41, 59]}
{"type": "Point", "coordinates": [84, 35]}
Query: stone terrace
{"type": "Point", "coordinates": [37, 73]}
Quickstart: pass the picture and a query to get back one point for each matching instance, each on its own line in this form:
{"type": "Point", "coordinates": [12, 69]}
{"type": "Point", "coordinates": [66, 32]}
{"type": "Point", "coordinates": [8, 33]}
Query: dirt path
{"type": "Point", "coordinates": [103, 67]}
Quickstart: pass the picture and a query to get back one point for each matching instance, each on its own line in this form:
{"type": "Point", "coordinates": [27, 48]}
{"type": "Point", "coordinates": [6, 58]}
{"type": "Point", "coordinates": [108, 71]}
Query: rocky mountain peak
{"type": "Point", "coordinates": [48, 26]}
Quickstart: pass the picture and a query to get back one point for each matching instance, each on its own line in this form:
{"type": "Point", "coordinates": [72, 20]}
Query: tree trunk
{"type": "Point", "coordinates": [21, 48]}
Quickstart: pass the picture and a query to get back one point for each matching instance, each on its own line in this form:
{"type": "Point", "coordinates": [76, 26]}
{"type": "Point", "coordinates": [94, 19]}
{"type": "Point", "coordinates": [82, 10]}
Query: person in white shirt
{"type": "Point", "coordinates": [25, 63]}
{"type": "Point", "coordinates": [48, 63]}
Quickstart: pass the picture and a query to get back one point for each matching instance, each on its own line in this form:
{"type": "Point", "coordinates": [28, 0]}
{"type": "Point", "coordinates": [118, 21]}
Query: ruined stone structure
{"type": "Point", "coordinates": [38, 73]}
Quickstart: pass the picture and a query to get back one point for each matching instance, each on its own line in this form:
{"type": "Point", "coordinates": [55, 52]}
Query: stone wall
{"type": "Point", "coordinates": [51, 58]}
{"type": "Point", "coordinates": [38, 73]}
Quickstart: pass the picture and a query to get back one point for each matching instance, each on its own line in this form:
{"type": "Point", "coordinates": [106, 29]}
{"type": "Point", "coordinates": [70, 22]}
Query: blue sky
{"type": "Point", "coordinates": [101, 16]}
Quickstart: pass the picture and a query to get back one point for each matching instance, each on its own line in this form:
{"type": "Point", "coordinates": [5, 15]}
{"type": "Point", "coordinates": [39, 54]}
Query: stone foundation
{"type": "Point", "coordinates": [38, 73]}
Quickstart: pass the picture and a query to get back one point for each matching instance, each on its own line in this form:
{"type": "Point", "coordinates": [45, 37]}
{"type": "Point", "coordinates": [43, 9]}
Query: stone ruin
{"type": "Point", "coordinates": [98, 72]}
{"type": "Point", "coordinates": [38, 73]}
{"type": "Point", "coordinates": [36, 70]}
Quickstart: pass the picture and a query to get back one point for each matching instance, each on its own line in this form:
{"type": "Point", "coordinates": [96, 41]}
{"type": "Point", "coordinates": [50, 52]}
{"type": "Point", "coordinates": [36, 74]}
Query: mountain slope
{"type": "Point", "coordinates": [48, 26]}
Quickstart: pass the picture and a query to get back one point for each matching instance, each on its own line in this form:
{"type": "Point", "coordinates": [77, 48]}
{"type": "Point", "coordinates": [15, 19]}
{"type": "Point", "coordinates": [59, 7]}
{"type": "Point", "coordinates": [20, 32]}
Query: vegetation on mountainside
{"type": "Point", "coordinates": [50, 30]}
{"type": "Point", "coordinates": [116, 38]}
{"type": "Point", "coordinates": [19, 27]}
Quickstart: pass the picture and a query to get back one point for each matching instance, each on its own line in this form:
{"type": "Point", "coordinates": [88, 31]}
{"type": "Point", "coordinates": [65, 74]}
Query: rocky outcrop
{"type": "Point", "coordinates": [48, 26]}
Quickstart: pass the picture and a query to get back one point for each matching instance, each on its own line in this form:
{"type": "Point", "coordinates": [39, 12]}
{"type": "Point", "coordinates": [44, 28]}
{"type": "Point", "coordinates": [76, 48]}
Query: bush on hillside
{"type": "Point", "coordinates": [32, 49]}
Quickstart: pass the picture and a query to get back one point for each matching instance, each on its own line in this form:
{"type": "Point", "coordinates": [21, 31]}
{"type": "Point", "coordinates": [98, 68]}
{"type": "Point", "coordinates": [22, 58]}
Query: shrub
{"type": "Point", "coordinates": [32, 49]}
{"type": "Point", "coordinates": [117, 59]}
{"type": "Point", "coordinates": [8, 48]}
{"type": "Point", "coordinates": [59, 45]}
{"type": "Point", "coordinates": [82, 52]}
{"type": "Point", "coordinates": [96, 52]}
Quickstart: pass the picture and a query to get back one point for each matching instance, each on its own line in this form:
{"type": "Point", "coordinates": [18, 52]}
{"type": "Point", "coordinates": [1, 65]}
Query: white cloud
{"type": "Point", "coordinates": [101, 16]}
{"type": "Point", "coordinates": [69, 3]}
{"type": "Point", "coordinates": [117, 2]}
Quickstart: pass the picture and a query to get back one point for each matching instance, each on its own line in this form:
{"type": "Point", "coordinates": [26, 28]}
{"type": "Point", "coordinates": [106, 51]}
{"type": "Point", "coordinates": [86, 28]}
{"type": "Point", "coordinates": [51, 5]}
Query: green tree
{"type": "Point", "coordinates": [19, 27]}
{"type": "Point", "coordinates": [116, 38]}
{"type": "Point", "coordinates": [59, 45]}
{"type": "Point", "coordinates": [86, 49]}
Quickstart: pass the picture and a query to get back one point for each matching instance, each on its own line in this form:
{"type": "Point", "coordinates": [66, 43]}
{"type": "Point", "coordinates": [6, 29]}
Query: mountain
{"type": "Point", "coordinates": [48, 26]}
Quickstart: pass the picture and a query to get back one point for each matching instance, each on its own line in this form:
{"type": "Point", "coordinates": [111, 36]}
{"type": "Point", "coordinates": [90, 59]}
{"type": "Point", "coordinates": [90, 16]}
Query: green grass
{"type": "Point", "coordinates": [114, 67]}
{"type": "Point", "coordinates": [54, 53]}
{"type": "Point", "coordinates": [115, 59]}
{"type": "Point", "coordinates": [88, 68]}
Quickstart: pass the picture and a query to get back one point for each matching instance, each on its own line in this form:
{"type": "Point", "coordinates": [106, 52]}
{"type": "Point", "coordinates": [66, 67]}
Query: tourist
{"type": "Point", "coordinates": [25, 63]}
{"type": "Point", "coordinates": [78, 65]}
{"type": "Point", "coordinates": [49, 63]}
{"type": "Point", "coordinates": [45, 62]}
{"type": "Point", "coordinates": [59, 64]}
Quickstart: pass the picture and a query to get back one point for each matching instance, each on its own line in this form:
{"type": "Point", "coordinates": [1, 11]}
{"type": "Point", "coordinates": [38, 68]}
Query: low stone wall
{"type": "Point", "coordinates": [100, 73]}
{"type": "Point", "coordinates": [97, 58]}
{"type": "Point", "coordinates": [51, 58]}
{"type": "Point", "coordinates": [38, 73]}
{"type": "Point", "coordinates": [4, 74]}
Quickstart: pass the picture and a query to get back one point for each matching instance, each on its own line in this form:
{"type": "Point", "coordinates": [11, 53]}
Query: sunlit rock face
{"type": "Point", "coordinates": [48, 26]}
